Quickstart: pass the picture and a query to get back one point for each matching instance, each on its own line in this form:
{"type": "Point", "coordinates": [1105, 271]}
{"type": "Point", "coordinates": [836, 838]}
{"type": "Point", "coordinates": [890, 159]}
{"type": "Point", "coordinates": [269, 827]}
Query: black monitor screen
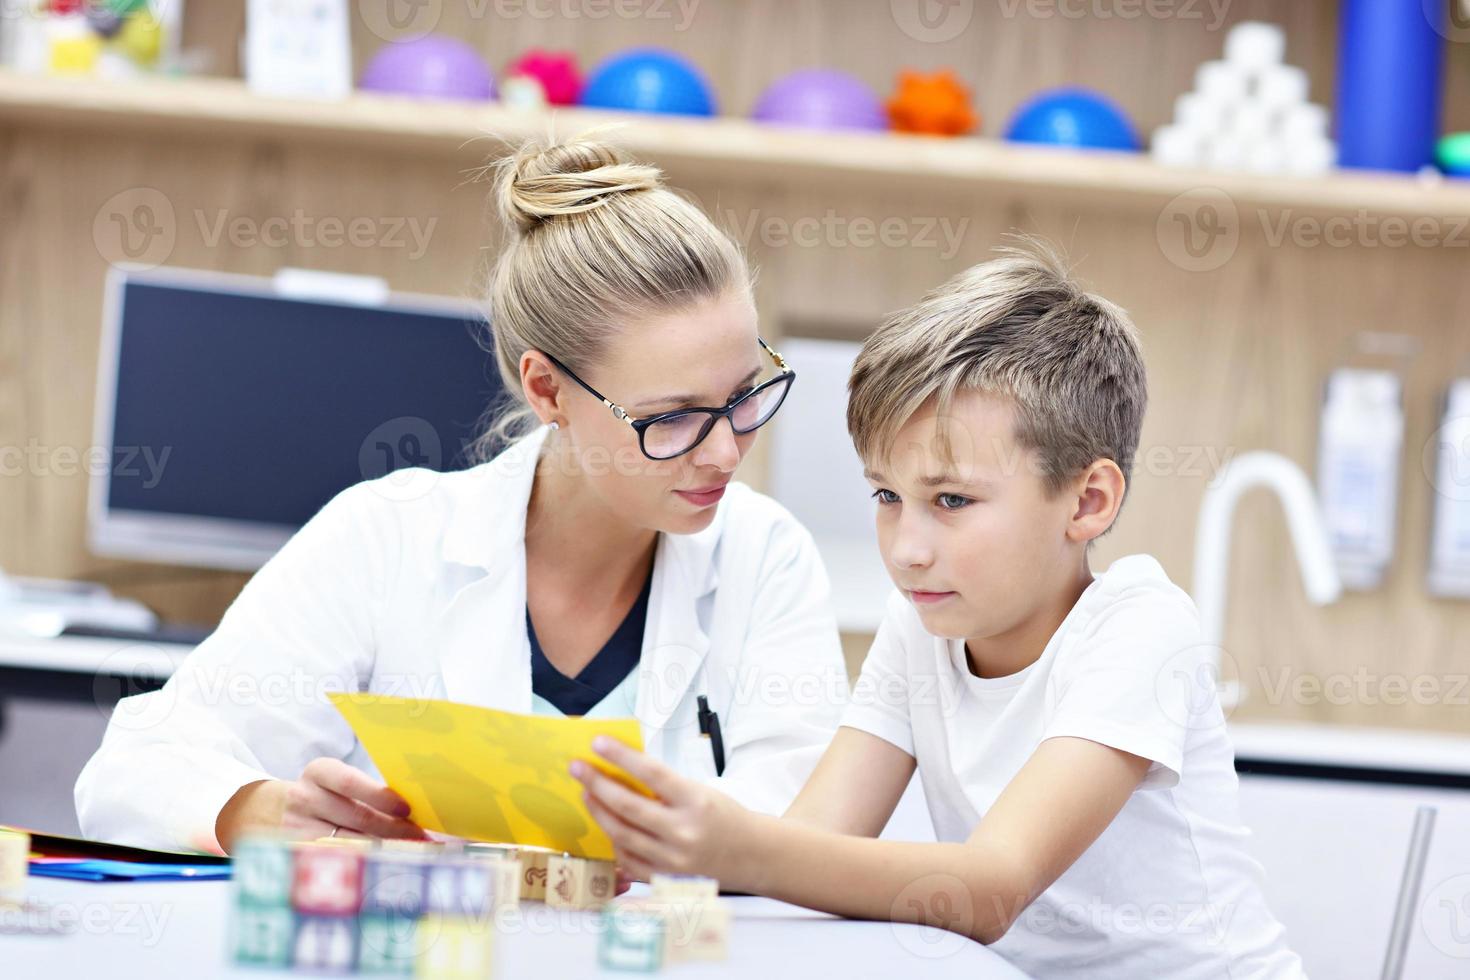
{"type": "Point", "coordinates": [262, 408]}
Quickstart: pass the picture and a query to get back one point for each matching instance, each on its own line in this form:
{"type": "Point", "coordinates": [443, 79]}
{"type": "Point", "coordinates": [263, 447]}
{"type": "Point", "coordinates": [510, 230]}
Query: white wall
{"type": "Point", "coordinates": [817, 475]}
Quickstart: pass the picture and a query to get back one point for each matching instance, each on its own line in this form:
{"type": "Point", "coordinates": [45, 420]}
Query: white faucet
{"type": "Point", "coordinates": [1212, 541]}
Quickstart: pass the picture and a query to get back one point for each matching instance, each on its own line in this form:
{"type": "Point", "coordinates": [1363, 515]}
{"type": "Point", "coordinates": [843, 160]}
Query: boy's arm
{"type": "Point", "coordinates": [1056, 806]}
{"type": "Point", "coordinates": [855, 786]}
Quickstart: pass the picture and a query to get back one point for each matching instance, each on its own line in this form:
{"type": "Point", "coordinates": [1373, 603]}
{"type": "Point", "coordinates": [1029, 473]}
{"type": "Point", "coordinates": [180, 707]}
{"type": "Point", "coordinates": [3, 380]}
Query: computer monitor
{"type": "Point", "coordinates": [232, 410]}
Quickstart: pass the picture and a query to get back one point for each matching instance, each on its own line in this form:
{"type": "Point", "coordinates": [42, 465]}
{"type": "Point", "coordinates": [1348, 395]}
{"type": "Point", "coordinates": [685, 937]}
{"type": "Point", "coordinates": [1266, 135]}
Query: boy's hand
{"type": "Point", "coordinates": [689, 829]}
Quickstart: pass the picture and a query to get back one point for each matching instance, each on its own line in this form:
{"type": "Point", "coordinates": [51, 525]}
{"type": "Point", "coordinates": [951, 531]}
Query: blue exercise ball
{"type": "Point", "coordinates": [649, 80]}
{"type": "Point", "coordinates": [1073, 117]}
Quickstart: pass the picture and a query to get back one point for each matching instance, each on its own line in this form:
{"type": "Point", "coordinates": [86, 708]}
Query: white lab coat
{"type": "Point", "coordinates": [415, 585]}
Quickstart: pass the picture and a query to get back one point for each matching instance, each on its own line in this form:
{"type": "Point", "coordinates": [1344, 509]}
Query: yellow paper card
{"type": "Point", "coordinates": [489, 775]}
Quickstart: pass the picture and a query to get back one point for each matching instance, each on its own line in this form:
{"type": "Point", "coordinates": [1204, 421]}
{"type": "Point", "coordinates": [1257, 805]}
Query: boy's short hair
{"type": "Point", "coordinates": [1019, 327]}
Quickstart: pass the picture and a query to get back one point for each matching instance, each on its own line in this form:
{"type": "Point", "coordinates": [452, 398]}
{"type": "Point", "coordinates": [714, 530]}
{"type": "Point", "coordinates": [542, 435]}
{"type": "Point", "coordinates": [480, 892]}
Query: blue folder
{"type": "Point", "coordinates": [103, 870]}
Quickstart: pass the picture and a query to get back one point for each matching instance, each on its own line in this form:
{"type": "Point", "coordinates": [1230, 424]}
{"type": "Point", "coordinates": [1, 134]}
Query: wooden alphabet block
{"type": "Point", "coordinates": [684, 888]}
{"type": "Point", "coordinates": [578, 883]}
{"type": "Point", "coordinates": [360, 843]}
{"type": "Point", "coordinates": [505, 876]}
{"type": "Point", "coordinates": [424, 848]}
{"type": "Point", "coordinates": [15, 864]}
{"type": "Point", "coordinates": [691, 930]}
{"type": "Point", "coordinates": [533, 874]}
{"type": "Point", "coordinates": [696, 931]}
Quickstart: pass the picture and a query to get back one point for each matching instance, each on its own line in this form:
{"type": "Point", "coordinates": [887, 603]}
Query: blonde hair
{"type": "Point", "coordinates": [596, 241]}
{"type": "Point", "coordinates": [1018, 327]}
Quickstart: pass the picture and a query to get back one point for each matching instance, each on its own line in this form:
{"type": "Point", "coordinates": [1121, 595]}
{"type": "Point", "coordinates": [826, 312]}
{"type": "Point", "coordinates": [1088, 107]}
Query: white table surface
{"type": "Point", "coordinates": [1353, 747]}
{"type": "Point", "coordinates": [180, 929]}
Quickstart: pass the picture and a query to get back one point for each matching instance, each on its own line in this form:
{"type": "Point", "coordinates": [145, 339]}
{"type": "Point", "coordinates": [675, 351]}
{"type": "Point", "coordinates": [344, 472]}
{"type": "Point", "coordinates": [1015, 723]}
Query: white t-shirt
{"type": "Point", "coordinates": [1168, 890]}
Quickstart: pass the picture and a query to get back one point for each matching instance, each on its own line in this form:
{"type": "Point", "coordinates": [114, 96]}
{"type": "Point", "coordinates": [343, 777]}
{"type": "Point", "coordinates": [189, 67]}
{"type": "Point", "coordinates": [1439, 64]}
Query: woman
{"type": "Point", "coordinates": [603, 564]}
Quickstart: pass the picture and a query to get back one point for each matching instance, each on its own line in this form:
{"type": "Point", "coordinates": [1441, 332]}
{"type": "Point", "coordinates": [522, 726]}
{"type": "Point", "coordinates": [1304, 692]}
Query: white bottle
{"type": "Point", "coordinates": [1449, 552]}
{"type": "Point", "coordinates": [299, 48]}
{"type": "Point", "coordinates": [1358, 471]}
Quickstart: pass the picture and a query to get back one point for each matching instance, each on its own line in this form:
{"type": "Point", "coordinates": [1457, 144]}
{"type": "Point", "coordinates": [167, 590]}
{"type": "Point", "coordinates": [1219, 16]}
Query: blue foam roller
{"type": "Point", "coordinates": [1389, 78]}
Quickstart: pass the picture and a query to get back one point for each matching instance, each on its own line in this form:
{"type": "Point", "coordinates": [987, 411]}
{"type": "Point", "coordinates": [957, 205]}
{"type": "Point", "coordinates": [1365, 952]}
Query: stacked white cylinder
{"type": "Point", "coordinates": [1248, 111]}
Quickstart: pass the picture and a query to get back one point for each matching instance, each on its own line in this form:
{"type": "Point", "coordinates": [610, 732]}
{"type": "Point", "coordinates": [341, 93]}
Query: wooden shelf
{"type": "Point", "coordinates": [720, 148]}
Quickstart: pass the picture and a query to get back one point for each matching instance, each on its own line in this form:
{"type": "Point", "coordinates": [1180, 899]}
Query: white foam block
{"type": "Point", "coordinates": [1226, 154]}
{"type": "Point", "coordinates": [1249, 122]}
{"type": "Point", "coordinates": [1302, 123]}
{"type": "Point", "coordinates": [1222, 81]}
{"type": "Point", "coordinates": [1176, 146]}
{"type": "Point", "coordinates": [1200, 113]}
{"type": "Point", "coordinates": [1311, 157]}
{"type": "Point", "coordinates": [1266, 158]}
{"type": "Point", "coordinates": [1255, 44]}
{"type": "Point", "coordinates": [1280, 86]}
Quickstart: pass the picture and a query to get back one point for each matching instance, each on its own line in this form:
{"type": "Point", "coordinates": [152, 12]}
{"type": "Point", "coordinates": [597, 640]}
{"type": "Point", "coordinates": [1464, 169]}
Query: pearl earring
{"type": "Point", "coordinates": [555, 426]}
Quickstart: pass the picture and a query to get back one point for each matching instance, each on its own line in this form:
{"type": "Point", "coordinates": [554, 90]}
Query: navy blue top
{"type": "Point", "coordinates": [613, 663]}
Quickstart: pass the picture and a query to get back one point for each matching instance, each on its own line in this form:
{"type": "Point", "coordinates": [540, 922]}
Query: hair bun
{"type": "Point", "coordinates": [544, 180]}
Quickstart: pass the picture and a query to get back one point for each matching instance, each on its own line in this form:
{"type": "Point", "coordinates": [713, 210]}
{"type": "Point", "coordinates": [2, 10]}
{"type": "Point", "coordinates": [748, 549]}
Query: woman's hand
{"type": "Point", "coordinates": [689, 829]}
{"type": "Point", "coordinates": [330, 795]}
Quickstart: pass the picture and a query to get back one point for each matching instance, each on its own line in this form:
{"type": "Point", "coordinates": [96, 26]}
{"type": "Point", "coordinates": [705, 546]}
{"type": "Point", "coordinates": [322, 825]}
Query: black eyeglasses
{"type": "Point", "coordinates": [676, 433]}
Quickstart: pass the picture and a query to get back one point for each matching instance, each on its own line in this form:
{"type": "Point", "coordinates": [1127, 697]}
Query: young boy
{"type": "Point", "coordinates": [1064, 724]}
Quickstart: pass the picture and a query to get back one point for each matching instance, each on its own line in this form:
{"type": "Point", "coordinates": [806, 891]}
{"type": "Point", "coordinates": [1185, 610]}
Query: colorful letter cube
{"type": "Point", "coordinates": [632, 938]}
{"type": "Point", "coordinates": [387, 943]}
{"type": "Point", "coordinates": [263, 935]}
{"type": "Point", "coordinates": [262, 871]}
{"type": "Point", "coordinates": [325, 942]}
{"type": "Point", "coordinates": [458, 886]}
{"type": "Point", "coordinates": [323, 906]}
{"type": "Point", "coordinates": [394, 883]}
{"type": "Point", "coordinates": [450, 948]}
{"type": "Point", "coordinates": [327, 880]}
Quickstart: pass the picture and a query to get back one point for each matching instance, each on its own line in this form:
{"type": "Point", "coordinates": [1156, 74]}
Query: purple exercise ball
{"type": "Point", "coordinates": [432, 66]}
{"type": "Point", "coordinates": [821, 99]}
